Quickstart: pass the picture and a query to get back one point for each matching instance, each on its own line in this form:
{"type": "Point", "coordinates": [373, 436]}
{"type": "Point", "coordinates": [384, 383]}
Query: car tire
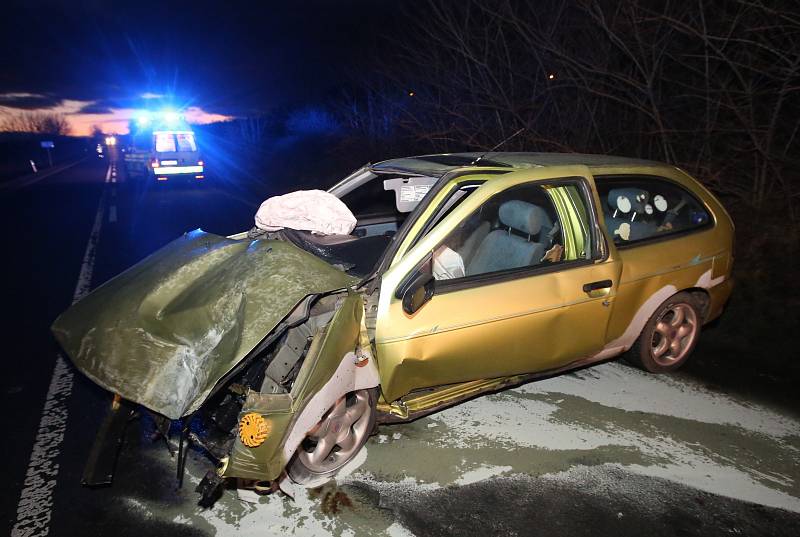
{"type": "Point", "coordinates": [669, 337]}
{"type": "Point", "coordinates": [342, 431]}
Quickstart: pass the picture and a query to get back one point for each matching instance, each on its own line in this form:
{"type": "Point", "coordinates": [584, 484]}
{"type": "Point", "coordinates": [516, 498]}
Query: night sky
{"type": "Point", "coordinates": [224, 58]}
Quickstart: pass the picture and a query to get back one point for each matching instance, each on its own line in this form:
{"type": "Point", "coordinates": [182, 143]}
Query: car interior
{"type": "Point", "coordinates": [511, 230]}
{"type": "Point", "coordinates": [640, 210]}
{"type": "Point", "coordinates": [353, 254]}
{"type": "Point", "coordinates": [380, 206]}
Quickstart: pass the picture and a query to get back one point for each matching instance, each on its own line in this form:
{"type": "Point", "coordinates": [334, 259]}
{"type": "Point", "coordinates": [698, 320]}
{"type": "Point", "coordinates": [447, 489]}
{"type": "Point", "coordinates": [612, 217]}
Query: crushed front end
{"type": "Point", "coordinates": [209, 330]}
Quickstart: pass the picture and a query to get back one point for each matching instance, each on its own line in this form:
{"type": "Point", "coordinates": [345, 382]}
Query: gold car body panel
{"type": "Point", "coordinates": [493, 335]}
{"type": "Point", "coordinates": [697, 260]}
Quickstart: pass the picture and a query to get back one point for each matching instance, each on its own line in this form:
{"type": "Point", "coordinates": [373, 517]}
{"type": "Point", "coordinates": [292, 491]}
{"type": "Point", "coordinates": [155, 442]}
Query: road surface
{"type": "Point", "coordinates": [606, 450]}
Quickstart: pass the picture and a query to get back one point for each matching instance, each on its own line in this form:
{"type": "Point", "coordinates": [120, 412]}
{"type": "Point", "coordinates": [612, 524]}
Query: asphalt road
{"type": "Point", "coordinates": [606, 450]}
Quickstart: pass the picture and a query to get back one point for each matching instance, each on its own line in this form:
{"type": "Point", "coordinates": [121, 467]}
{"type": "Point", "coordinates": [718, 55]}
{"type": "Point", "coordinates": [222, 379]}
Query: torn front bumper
{"type": "Point", "coordinates": [339, 361]}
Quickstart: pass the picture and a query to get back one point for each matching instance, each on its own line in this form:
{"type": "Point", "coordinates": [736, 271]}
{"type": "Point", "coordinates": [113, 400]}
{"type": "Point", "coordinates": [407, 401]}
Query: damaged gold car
{"type": "Point", "coordinates": [465, 274]}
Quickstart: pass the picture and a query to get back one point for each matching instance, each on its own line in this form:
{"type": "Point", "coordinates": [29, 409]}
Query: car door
{"type": "Point", "coordinates": [497, 305]}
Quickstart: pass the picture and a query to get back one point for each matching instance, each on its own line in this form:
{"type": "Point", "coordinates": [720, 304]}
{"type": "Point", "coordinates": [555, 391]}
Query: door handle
{"type": "Point", "coordinates": [594, 286]}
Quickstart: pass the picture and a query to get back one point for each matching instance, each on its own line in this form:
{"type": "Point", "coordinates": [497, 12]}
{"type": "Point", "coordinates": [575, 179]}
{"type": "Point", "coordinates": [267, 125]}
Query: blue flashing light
{"type": "Point", "coordinates": [143, 120]}
{"type": "Point", "coordinates": [171, 117]}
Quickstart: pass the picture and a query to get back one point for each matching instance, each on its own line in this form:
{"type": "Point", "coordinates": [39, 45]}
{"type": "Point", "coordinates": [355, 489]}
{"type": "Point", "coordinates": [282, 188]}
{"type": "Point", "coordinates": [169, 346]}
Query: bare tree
{"type": "Point", "coordinates": [712, 86]}
{"type": "Point", "coordinates": [252, 129]}
{"type": "Point", "coordinates": [35, 122]}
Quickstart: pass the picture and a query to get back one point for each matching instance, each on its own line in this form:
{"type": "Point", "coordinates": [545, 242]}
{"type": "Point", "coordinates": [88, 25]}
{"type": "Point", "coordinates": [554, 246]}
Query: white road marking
{"type": "Point", "coordinates": [35, 506]}
{"type": "Point", "coordinates": [112, 214]}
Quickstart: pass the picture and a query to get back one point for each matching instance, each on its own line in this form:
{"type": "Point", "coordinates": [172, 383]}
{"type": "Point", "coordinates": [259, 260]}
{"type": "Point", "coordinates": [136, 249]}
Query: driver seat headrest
{"type": "Point", "coordinates": [628, 200]}
{"type": "Point", "coordinates": [522, 216]}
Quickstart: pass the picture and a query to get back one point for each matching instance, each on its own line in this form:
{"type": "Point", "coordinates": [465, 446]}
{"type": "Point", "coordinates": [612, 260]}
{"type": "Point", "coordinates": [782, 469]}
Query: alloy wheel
{"type": "Point", "coordinates": [674, 334]}
{"type": "Point", "coordinates": [339, 435]}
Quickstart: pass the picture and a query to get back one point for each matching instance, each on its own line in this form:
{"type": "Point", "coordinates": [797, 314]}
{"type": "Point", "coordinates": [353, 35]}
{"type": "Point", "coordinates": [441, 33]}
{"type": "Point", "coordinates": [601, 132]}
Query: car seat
{"type": "Point", "coordinates": [629, 206]}
{"type": "Point", "coordinates": [512, 245]}
{"type": "Point", "coordinates": [470, 246]}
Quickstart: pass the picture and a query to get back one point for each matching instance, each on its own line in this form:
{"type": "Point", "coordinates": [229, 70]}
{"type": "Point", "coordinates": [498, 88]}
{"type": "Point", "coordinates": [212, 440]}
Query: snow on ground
{"type": "Point", "coordinates": [669, 427]}
{"type": "Point", "coordinates": [657, 425]}
{"type": "Point", "coordinates": [619, 386]}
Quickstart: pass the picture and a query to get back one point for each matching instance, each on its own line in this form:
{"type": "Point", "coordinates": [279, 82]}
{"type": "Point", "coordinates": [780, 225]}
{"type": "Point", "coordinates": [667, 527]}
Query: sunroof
{"type": "Point", "coordinates": [461, 160]}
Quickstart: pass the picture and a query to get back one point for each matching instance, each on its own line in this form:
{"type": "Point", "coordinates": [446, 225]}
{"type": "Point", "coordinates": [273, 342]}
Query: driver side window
{"type": "Point", "coordinates": [527, 226]}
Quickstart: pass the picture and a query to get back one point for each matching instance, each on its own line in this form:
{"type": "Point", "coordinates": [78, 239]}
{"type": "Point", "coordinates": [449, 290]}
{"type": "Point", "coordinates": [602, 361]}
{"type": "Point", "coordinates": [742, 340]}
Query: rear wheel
{"type": "Point", "coordinates": [336, 439]}
{"type": "Point", "coordinates": [669, 337]}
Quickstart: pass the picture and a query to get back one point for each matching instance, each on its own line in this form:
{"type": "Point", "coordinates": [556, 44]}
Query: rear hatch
{"type": "Point", "coordinates": [175, 153]}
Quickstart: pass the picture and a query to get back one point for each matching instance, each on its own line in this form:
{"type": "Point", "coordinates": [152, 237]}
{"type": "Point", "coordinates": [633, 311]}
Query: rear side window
{"type": "Point", "coordinates": [639, 209]}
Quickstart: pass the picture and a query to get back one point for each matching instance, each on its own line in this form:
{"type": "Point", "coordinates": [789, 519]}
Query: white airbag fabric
{"type": "Point", "coordinates": [307, 210]}
{"type": "Point", "coordinates": [448, 264]}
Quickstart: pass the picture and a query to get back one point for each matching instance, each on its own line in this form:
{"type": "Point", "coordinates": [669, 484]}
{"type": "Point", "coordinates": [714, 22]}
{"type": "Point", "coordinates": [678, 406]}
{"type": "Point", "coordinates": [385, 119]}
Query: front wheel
{"type": "Point", "coordinates": [669, 337]}
{"type": "Point", "coordinates": [336, 439]}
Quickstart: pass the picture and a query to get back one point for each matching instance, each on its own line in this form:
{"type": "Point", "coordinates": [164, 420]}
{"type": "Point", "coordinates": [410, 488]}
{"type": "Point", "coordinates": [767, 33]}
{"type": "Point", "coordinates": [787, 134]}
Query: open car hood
{"type": "Point", "coordinates": [165, 331]}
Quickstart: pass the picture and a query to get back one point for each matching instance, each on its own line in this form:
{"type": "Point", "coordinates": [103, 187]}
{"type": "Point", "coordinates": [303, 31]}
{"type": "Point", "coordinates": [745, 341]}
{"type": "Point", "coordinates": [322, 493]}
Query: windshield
{"type": "Point", "coordinates": [354, 255]}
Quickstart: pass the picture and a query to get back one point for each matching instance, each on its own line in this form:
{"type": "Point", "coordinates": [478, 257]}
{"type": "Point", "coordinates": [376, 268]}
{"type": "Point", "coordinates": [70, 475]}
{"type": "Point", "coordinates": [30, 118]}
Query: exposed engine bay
{"type": "Point", "coordinates": [271, 371]}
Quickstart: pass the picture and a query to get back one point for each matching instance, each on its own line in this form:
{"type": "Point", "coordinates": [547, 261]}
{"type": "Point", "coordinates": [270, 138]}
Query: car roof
{"type": "Point", "coordinates": [437, 165]}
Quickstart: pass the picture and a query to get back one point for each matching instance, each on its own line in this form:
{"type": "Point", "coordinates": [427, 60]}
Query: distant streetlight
{"type": "Point", "coordinates": [551, 76]}
{"type": "Point", "coordinates": [411, 93]}
{"type": "Point", "coordinates": [111, 140]}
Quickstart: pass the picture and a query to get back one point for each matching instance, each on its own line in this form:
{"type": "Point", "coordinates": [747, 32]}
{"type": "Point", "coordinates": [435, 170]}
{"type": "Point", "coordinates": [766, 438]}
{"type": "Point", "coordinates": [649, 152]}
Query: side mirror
{"type": "Point", "coordinates": [418, 287]}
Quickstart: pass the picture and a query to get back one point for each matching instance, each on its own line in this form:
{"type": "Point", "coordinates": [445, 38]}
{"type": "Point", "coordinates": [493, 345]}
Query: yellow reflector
{"type": "Point", "coordinates": [253, 429]}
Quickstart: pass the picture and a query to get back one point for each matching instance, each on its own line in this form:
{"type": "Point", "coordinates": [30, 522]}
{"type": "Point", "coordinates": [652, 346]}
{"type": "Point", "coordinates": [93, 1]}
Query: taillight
{"type": "Point", "coordinates": [154, 163]}
{"type": "Point", "coordinates": [199, 162]}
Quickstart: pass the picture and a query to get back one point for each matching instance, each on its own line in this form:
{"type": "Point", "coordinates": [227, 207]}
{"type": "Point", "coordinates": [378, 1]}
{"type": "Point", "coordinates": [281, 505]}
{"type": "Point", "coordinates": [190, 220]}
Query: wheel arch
{"type": "Point", "coordinates": [703, 299]}
{"type": "Point", "coordinates": [646, 311]}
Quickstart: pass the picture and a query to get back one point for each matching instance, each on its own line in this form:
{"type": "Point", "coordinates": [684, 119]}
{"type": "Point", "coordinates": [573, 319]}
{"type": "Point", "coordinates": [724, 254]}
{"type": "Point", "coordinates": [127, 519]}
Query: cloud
{"type": "Point", "coordinates": [111, 115]}
{"type": "Point", "coordinates": [28, 101]}
{"type": "Point", "coordinates": [198, 116]}
{"type": "Point", "coordinates": [116, 122]}
{"type": "Point", "coordinates": [95, 108]}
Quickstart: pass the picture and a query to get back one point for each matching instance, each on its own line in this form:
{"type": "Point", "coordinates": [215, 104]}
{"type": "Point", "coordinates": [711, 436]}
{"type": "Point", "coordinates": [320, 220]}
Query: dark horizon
{"type": "Point", "coordinates": [91, 59]}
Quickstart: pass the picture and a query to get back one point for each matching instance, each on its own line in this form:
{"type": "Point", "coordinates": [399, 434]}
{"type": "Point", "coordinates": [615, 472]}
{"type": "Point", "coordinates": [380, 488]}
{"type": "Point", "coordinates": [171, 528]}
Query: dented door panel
{"type": "Point", "coordinates": [523, 324]}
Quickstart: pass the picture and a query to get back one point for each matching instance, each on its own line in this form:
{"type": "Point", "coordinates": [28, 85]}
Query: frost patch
{"type": "Point", "coordinates": [481, 473]}
{"type": "Point", "coordinates": [619, 386]}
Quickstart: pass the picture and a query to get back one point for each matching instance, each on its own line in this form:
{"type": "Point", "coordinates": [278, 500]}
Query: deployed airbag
{"type": "Point", "coordinates": [306, 210]}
